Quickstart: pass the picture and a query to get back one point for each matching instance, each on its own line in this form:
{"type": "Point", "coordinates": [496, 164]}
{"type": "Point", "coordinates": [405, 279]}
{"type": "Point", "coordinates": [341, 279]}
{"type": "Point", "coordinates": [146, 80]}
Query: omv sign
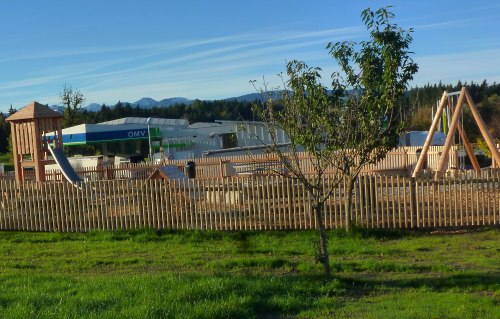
{"type": "Point", "coordinates": [122, 135]}
{"type": "Point", "coordinates": [137, 133]}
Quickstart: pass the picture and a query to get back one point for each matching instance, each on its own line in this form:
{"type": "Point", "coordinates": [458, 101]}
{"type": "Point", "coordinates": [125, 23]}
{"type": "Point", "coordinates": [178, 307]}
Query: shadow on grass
{"type": "Point", "coordinates": [224, 295]}
{"type": "Point", "coordinates": [437, 283]}
{"type": "Point", "coordinates": [384, 233]}
{"type": "Point", "coordinates": [355, 288]}
{"type": "Point", "coordinates": [291, 294]}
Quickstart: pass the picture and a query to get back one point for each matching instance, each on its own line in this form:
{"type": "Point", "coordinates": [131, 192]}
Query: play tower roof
{"type": "Point", "coordinates": [33, 110]}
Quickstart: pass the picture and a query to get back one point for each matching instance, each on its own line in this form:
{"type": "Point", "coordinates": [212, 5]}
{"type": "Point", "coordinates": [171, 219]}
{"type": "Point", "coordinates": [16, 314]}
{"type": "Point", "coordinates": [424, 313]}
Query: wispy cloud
{"type": "Point", "coordinates": [208, 68]}
{"type": "Point", "coordinates": [27, 83]}
{"type": "Point", "coordinates": [184, 61]}
{"type": "Point", "coordinates": [466, 66]}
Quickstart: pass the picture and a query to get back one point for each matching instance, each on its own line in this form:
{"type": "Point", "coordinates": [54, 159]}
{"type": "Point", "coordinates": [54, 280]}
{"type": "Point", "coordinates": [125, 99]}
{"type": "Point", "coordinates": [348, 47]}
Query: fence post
{"type": "Point", "coordinates": [494, 163]}
{"type": "Point", "coordinates": [405, 161]}
{"type": "Point", "coordinates": [413, 203]}
{"type": "Point", "coordinates": [110, 173]}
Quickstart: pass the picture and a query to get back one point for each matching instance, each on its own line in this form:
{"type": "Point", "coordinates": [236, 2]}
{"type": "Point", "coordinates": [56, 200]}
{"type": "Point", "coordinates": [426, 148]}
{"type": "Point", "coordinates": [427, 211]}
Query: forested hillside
{"type": "Point", "coordinates": [198, 111]}
{"type": "Point", "coordinates": [486, 97]}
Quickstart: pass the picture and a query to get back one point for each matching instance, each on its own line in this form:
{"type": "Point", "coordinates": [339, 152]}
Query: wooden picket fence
{"type": "Point", "coordinates": [399, 161]}
{"type": "Point", "coordinates": [247, 203]}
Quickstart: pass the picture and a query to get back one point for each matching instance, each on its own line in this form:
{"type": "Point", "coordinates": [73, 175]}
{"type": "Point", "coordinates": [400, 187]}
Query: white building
{"type": "Point", "coordinates": [172, 138]}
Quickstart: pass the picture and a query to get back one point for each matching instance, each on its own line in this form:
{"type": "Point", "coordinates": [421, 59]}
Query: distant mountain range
{"type": "Point", "coordinates": [148, 103]}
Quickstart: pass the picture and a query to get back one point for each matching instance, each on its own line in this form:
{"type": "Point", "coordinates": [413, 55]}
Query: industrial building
{"type": "Point", "coordinates": [134, 138]}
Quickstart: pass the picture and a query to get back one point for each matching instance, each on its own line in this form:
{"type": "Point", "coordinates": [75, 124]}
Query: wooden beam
{"type": "Point", "coordinates": [482, 127]}
{"type": "Point", "coordinates": [430, 135]}
{"type": "Point", "coordinates": [449, 137]}
{"type": "Point", "coordinates": [49, 162]}
{"type": "Point", "coordinates": [465, 139]}
{"type": "Point", "coordinates": [494, 163]}
{"type": "Point", "coordinates": [14, 128]}
{"type": "Point", "coordinates": [36, 144]}
{"type": "Point", "coordinates": [26, 163]}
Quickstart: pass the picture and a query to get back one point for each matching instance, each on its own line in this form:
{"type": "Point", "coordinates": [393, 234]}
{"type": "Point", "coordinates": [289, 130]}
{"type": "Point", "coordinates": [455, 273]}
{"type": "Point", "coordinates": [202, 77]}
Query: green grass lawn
{"type": "Point", "coordinates": [149, 274]}
{"type": "Point", "coordinates": [7, 160]}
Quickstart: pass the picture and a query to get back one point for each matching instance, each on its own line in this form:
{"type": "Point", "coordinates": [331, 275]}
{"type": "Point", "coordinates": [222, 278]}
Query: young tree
{"type": "Point", "coordinates": [72, 101]}
{"type": "Point", "coordinates": [350, 126]}
{"type": "Point", "coordinates": [378, 74]}
{"type": "Point", "coordinates": [12, 110]}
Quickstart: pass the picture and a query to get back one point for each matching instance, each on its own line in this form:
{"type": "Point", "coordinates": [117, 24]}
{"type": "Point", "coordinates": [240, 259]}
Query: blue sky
{"type": "Point", "coordinates": [125, 50]}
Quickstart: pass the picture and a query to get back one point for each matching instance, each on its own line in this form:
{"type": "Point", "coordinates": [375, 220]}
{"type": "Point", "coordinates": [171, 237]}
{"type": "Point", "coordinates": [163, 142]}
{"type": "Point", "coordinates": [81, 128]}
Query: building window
{"type": "Point", "coordinates": [229, 140]}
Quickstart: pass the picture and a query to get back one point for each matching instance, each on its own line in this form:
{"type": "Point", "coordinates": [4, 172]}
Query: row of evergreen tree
{"type": "Point", "coordinates": [486, 96]}
{"type": "Point", "coordinates": [198, 111]}
{"type": "Point", "coordinates": [427, 95]}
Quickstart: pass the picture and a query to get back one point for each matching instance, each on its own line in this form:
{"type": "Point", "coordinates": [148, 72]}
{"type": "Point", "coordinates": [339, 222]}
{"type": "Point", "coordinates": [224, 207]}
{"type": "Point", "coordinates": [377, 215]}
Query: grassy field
{"type": "Point", "coordinates": [150, 274]}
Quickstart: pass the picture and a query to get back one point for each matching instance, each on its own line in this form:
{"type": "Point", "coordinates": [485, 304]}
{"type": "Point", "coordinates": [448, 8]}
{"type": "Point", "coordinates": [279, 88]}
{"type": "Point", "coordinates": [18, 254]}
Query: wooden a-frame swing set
{"type": "Point", "coordinates": [455, 110]}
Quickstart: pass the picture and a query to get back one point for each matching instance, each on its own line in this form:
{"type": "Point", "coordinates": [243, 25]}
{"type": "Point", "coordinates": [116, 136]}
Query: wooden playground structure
{"type": "Point", "coordinates": [455, 110]}
{"type": "Point", "coordinates": [29, 127]}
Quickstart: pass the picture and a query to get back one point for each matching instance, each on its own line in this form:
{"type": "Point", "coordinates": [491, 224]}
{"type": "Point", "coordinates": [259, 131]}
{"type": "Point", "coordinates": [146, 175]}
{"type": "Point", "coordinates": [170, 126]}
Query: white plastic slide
{"type": "Point", "coordinates": [64, 165]}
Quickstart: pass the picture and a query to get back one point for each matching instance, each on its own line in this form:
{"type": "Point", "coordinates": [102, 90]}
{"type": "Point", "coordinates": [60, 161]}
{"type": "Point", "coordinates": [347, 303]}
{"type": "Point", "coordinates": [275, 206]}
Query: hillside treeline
{"type": "Point", "coordinates": [486, 97]}
{"type": "Point", "coordinates": [198, 111]}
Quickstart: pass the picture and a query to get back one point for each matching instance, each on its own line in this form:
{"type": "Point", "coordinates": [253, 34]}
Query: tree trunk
{"type": "Point", "coordinates": [324, 255]}
{"type": "Point", "coordinates": [348, 202]}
